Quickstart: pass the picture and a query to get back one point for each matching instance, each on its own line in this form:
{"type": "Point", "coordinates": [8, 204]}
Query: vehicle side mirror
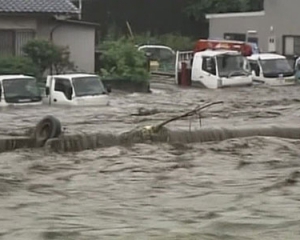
{"type": "Point", "coordinates": [47, 91]}
{"type": "Point", "coordinates": [108, 88]}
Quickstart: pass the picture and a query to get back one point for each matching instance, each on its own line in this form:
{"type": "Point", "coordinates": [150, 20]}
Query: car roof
{"type": "Point", "coordinates": [74, 75]}
{"type": "Point", "coordinates": [266, 56]}
{"type": "Point", "coordinates": [16, 76]}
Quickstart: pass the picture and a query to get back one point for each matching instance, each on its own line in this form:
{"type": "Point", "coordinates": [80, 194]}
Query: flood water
{"type": "Point", "coordinates": [236, 189]}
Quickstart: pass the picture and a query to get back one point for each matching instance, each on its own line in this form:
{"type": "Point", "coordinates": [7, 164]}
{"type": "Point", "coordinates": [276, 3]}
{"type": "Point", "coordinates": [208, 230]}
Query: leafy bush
{"type": "Point", "coordinates": [121, 59]}
{"type": "Point", "coordinates": [17, 65]}
{"type": "Point", "coordinates": [45, 55]}
{"type": "Point", "coordinates": [173, 40]}
{"type": "Point", "coordinates": [177, 42]}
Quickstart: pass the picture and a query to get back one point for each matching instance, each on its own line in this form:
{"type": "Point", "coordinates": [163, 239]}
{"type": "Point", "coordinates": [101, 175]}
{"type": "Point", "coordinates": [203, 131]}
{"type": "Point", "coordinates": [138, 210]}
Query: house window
{"type": "Point", "coordinates": [291, 45]}
{"type": "Point", "coordinates": [12, 41]}
{"type": "Point", "coordinates": [6, 43]}
{"type": "Point", "coordinates": [235, 36]}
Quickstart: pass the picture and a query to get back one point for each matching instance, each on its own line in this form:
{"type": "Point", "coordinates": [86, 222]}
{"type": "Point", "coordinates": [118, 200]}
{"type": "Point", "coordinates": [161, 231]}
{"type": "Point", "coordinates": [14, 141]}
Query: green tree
{"type": "Point", "coordinates": [17, 65]}
{"type": "Point", "coordinates": [46, 55]}
{"type": "Point", "coordinates": [198, 8]}
{"type": "Point", "coordinates": [121, 59]}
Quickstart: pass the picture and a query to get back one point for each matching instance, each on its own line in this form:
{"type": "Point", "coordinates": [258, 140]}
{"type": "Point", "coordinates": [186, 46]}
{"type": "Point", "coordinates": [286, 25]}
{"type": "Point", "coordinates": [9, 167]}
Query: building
{"type": "Point", "coordinates": [55, 20]}
{"type": "Point", "coordinates": [275, 29]}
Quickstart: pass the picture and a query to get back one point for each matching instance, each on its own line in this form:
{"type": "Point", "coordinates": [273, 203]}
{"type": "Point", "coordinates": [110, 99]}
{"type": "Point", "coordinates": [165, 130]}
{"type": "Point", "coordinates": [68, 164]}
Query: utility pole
{"type": "Point", "coordinates": [80, 9]}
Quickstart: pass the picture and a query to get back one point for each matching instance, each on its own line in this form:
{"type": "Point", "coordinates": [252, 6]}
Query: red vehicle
{"type": "Point", "coordinates": [243, 47]}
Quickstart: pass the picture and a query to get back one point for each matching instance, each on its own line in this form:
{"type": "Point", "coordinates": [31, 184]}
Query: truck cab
{"type": "Point", "coordinates": [217, 69]}
{"type": "Point", "coordinates": [76, 90]}
{"type": "Point", "coordinates": [215, 64]}
{"type": "Point", "coordinates": [19, 90]}
{"type": "Point", "coordinates": [271, 69]}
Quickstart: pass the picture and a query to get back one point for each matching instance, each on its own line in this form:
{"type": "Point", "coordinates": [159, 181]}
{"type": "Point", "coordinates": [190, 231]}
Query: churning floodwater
{"type": "Point", "coordinates": [236, 189]}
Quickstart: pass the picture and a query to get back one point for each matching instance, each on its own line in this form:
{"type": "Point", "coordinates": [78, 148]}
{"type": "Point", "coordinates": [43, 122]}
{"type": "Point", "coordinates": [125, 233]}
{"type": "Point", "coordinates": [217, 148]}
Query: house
{"type": "Point", "coordinates": [275, 29]}
{"type": "Point", "coordinates": [55, 20]}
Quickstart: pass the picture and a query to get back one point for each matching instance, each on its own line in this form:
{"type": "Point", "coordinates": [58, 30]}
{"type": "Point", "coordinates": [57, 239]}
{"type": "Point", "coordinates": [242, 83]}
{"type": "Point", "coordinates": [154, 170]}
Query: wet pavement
{"type": "Point", "coordinates": [236, 189]}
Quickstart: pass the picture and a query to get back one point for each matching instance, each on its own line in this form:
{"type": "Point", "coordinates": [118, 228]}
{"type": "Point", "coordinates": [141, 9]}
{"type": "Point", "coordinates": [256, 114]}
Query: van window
{"type": "Point", "coordinates": [64, 85]}
{"type": "Point", "coordinates": [254, 67]}
{"type": "Point", "coordinates": [209, 65]}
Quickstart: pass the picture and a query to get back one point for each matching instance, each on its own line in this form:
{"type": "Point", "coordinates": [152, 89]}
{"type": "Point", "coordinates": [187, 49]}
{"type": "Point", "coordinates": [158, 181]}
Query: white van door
{"type": "Point", "coordinates": [256, 71]}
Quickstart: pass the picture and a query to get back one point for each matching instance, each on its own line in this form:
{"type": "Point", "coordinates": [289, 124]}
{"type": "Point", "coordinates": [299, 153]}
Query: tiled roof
{"type": "Point", "coordinates": [37, 6]}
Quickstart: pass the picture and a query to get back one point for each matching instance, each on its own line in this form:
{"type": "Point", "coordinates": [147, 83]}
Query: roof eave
{"type": "Point", "coordinates": [79, 22]}
{"type": "Point", "coordinates": [75, 13]}
{"type": "Point", "coordinates": [238, 14]}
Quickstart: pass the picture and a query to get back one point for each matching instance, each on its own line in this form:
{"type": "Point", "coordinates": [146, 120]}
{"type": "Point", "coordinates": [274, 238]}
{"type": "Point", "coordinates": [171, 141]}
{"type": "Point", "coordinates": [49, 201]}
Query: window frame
{"type": "Point", "coordinates": [64, 85]}
{"type": "Point", "coordinates": [241, 36]}
{"type": "Point", "coordinates": [204, 63]}
{"type": "Point", "coordinates": [258, 67]}
{"type": "Point", "coordinates": [14, 39]}
{"type": "Point", "coordinates": [284, 45]}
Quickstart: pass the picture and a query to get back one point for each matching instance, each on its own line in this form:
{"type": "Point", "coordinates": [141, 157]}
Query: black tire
{"type": "Point", "coordinates": [49, 127]}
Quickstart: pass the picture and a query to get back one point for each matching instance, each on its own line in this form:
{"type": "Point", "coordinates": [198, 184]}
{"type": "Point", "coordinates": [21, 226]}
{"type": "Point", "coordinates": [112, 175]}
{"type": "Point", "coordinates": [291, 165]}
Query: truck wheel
{"type": "Point", "coordinates": [49, 127]}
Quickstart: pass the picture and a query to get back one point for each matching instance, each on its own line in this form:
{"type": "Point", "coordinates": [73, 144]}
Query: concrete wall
{"type": "Point", "coordinates": [17, 23]}
{"type": "Point", "coordinates": [281, 15]}
{"type": "Point", "coordinates": [79, 38]}
{"type": "Point", "coordinates": [219, 26]}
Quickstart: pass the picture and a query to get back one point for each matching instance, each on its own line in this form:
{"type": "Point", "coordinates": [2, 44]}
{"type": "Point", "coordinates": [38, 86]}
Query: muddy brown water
{"type": "Point", "coordinates": [236, 189]}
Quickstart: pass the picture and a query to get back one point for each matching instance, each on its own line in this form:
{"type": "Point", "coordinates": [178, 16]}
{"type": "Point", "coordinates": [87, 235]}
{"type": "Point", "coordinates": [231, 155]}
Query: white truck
{"type": "Point", "coordinates": [214, 68]}
{"type": "Point", "coordinates": [19, 90]}
{"type": "Point", "coordinates": [76, 90]}
{"type": "Point", "coordinates": [271, 69]}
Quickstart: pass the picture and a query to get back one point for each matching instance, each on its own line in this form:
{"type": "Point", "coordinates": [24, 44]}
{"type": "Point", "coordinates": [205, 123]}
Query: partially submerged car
{"type": "Point", "coordinates": [19, 90]}
{"type": "Point", "coordinates": [76, 90]}
{"type": "Point", "coordinates": [271, 69]}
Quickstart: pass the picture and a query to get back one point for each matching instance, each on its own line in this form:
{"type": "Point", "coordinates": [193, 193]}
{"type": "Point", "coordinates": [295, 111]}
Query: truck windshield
{"type": "Point", "coordinates": [20, 90]}
{"type": "Point", "coordinates": [230, 65]}
{"type": "Point", "coordinates": [276, 66]}
{"type": "Point", "coordinates": [88, 86]}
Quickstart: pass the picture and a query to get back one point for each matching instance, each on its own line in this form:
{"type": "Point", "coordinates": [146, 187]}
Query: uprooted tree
{"type": "Point", "coordinates": [48, 56]}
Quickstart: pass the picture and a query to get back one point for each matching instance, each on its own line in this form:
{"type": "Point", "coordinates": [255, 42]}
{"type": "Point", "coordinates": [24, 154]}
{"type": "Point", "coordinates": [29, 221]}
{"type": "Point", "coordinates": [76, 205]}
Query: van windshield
{"type": "Point", "coordinates": [230, 65]}
{"type": "Point", "coordinates": [88, 86]}
{"type": "Point", "coordinates": [21, 90]}
{"type": "Point", "coordinates": [276, 66]}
